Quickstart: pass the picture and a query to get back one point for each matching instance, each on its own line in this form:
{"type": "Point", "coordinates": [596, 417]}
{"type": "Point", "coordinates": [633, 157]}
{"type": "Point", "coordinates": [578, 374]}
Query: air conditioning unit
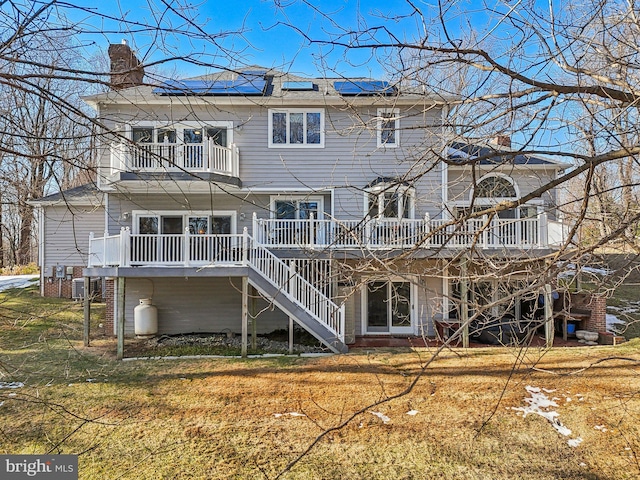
{"type": "Point", "coordinates": [77, 288]}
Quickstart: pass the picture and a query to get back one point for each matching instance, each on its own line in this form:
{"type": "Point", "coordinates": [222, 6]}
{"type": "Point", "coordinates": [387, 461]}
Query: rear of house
{"type": "Point", "coordinates": [257, 198]}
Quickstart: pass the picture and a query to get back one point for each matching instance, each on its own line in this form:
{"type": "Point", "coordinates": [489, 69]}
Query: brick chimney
{"type": "Point", "coordinates": [126, 70]}
{"type": "Point", "coordinates": [502, 141]}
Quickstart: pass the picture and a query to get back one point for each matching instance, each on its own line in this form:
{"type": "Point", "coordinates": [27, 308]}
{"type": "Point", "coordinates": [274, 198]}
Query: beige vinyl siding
{"type": "Point", "coordinates": [66, 230]}
{"type": "Point", "coordinates": [198, 305]}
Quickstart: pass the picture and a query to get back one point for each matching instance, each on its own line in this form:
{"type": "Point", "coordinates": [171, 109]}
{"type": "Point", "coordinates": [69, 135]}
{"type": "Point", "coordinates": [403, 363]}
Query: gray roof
{"type": "Point", "coordinates": [478, 154]}
{"type": "Point", "coordinates": [87, 194]}
{"type": "Point", "coordinates": [325, 90]}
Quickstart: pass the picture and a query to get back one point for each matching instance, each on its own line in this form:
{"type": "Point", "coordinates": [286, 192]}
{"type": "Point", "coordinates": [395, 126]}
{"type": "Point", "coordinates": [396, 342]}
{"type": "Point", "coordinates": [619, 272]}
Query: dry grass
{"type": "Point", "coordinates": [215, 418]}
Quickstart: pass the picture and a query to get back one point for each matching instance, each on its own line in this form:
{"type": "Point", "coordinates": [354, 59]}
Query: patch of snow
{"type": "Point", "coordinates": [1, 403]}
{"type": "Point", "coordinates": [381, 416]}
{"type": "Point", "coordinates": [11, 384]}
{"type": "Point", "coordinates": [413, 412]}
{"type": "Point", "coordinates": [574, 442]}
{"type": "Point", "coordinates": [540, 404]}
{"type": "Point", "coordinates": [571, 271]}
{"type": "Point", "coordinates": [292, 414]}
{"type": "Point", "coordinates": [17, 281]}
{"type": "Point", "coordinates": [91, 380]}
{"type": "Point", "coordinates": [612, 321]}
{"type": "Point", "coordinates": [602, 428]}
{"type": "Point", "coordinates": [547, 390]}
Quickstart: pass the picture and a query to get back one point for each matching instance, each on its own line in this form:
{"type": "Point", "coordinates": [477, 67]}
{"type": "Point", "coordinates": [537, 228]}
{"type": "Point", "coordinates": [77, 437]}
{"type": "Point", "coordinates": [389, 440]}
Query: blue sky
{"type": "Point", "coordinates": [265, 40]}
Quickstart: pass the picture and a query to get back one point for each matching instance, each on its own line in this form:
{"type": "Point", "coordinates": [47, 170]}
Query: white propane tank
{"type": "Point", "coordinates": [145, 318]}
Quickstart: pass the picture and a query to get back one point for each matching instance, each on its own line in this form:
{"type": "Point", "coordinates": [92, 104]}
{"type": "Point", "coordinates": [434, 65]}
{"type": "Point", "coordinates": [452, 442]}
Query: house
{"type": "Point", "coordinates": [255, 199]}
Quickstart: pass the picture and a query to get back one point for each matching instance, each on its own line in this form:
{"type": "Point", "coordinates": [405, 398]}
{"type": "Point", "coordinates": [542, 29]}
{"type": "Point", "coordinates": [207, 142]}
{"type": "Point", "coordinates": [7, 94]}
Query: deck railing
{"type": "Point", "coordinates": [126, 250]}
{"type": "Point", "coordinates": [173, 157]}
{"type": "Point", "coordinates": [376, 233]}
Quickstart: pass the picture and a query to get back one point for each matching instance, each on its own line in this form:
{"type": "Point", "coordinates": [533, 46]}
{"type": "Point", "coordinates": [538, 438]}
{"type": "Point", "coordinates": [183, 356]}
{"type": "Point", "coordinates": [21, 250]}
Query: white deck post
{"type": "Point", "coordinates": [104, 248]}
{"type": "Point", "coordinates": [125, 246]}
{"type": "Point", "coordinates": [543, 230]}
{"type": "Point", "coordinates": [291, 283]}
{"type": "Point", "coordinates": [91, 250]}
{"type": "Point", "coordinates": [424, 242]}
{"type": "Point", "coordinates": [257, 234]}
{"type": "Point", "coordinates": [185, 247]}
{"type": "Point", "coordinates": [245, 314]}
{"type": "Point", "coordinates": [245, 246]}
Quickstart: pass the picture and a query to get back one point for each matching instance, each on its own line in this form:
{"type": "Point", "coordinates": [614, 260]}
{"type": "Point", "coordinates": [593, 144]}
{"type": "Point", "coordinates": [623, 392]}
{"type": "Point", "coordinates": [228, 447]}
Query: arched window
{"type": "Point", "coordinates": [495, 186]}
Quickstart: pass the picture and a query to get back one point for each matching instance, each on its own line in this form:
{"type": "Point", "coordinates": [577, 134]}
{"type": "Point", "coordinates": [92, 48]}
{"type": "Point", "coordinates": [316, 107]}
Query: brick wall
{"type": "Point", "coordinates": [597, 305]}
{"type": "Point", "coordinates": [109, 302]}
{"type": "Point", "coordinates": [54, 287]}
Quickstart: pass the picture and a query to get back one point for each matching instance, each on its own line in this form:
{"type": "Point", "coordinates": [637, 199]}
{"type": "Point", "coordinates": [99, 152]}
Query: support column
{"type": "Point", "coordinates": [254, 320]}
{"type": "Point", "coordinates": [464, 303]}
{"type": "Point", "coordinates": [245, 314]}
{"type": "Point", "coordinates": [548, 316]}
{"type": "Point", "coordinates": [290, 335]}
{"type": "Point", "coordinates": [87, 312]}
{"type": "Point", "coordinates": [121, 316]}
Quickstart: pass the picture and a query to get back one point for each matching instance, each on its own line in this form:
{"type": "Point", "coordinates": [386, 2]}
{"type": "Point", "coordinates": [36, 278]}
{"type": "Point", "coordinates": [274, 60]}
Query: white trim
{"type": "Point", "coordinates": [404, 192]}
{"type": "Point", "coordinates": [296, 198]}
{"type": "Point", "coordinates": [41, 248]}
{"type": "Point", "coordinates": [380, 118]}
{"type": "Point", "coordinates": [288, 111]}
{"type": "Point", "coordinates": [179, 127]}
{"type": "Point", "coordinates": [364, 307]}
{"type": "Point", "coordinates": [494, 199]}
{"type": "Point", "coordinates": [135, 214]}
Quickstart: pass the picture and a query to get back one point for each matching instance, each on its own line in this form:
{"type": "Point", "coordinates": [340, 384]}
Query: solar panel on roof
{"type": "Point", "coordinates": [364, 87]}
{"type": "Point", "coordinates": [298, 85]}
{"type": "Point", "coordinates": [243, 85]}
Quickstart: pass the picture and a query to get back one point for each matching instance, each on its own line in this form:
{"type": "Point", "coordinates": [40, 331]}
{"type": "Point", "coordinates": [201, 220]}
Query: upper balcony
{"type": "Point", "coordinates": [187, 158]}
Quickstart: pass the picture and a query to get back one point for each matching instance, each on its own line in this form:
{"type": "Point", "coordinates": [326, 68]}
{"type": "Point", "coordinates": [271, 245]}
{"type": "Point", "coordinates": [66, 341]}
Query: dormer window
{"type": "Point", "coordinates": [390, 200]}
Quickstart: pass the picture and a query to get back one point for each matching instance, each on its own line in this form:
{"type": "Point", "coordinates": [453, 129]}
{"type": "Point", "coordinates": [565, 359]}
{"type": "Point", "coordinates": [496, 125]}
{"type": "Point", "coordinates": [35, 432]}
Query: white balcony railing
{"type": "Point", "coordinates": [526, 233]}
{"type": "Point", "coordinates": [204, 157]}
{"type": "Point", "coordinates": [126, 249]}
{"type": "Point", "coordinates": [192, 250]}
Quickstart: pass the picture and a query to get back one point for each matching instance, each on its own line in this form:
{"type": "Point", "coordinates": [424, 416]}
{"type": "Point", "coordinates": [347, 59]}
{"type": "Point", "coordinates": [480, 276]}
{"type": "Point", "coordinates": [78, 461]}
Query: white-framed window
{"type": "Point", "coordinates": [296, 127]}
{"type": "Point", "coordinates": [219, 133]}
{"type": "Point", "coordinates": [492, 189]}
{"type": "Point", "coordinates": [388, 127]}
{"type": "Point", "coordinates": [389, 200]}
{"type": "Point", "coordinates": [297, 207]}
{"type": "Point", "coordinates": [176, 222]}
{"type": "Point", "coordinates": [387, 306]}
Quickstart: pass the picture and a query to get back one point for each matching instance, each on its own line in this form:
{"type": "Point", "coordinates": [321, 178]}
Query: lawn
{"type": "Point", "coordinates": [231, 418]}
